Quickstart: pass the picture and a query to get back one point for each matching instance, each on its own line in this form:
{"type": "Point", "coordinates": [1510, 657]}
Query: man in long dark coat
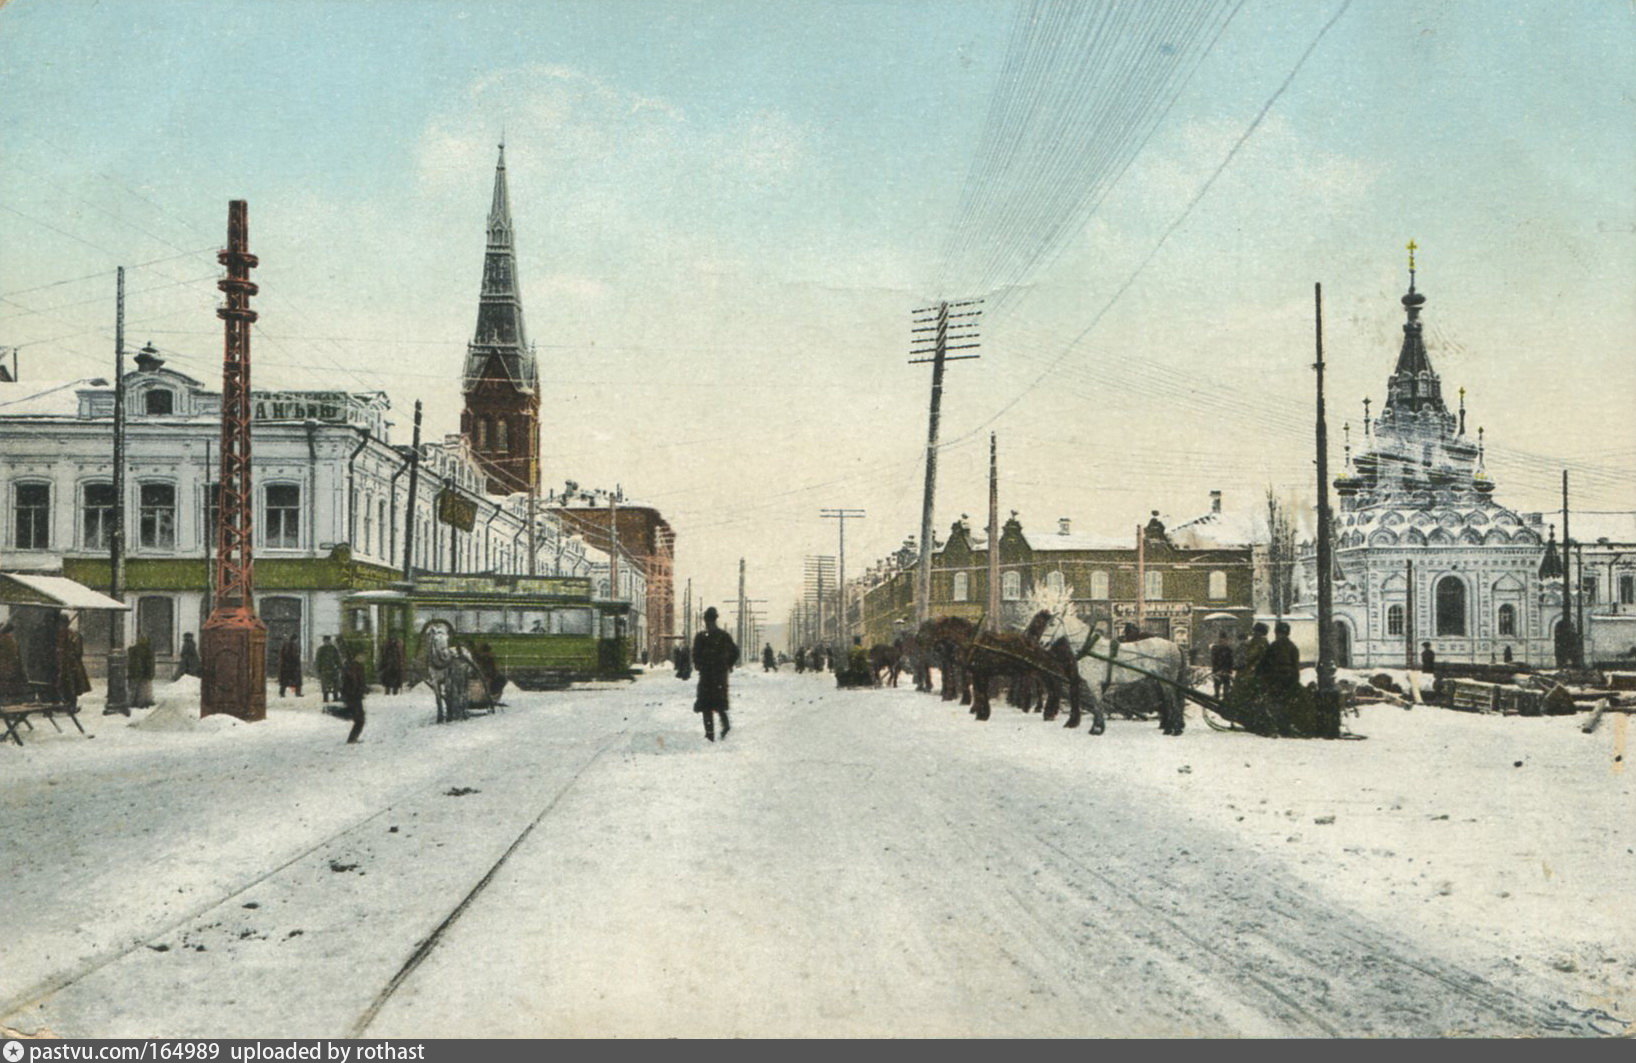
{"type": "Point", "coordinates": [1221, 666]}
{"type": "Point", "coordinates": [353, 688]}
{"type": "Point", "coordinates": [140, 670]}
{"type": "Point", "coordinates": [71, 678]}
{"type": "Point", "coordinates": [389, 669]}
{"type": "Point", "coordinates": [289, 667]}
{"type": "Point", "coordinates": [188, 662]}
{"type": "Point", "coordinates": [769, 661]}
{"type": "Point", "coordinates": [328, 665]}
{"type": "Point", "coordinates": [714, 655]}
{"type": "Point", "coordinates": [13, 677]}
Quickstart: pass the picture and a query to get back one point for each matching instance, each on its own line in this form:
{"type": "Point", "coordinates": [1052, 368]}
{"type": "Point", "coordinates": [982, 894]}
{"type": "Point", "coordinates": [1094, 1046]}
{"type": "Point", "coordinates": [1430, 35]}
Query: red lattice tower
{"type": "Point", "coordinates": [233, 643]}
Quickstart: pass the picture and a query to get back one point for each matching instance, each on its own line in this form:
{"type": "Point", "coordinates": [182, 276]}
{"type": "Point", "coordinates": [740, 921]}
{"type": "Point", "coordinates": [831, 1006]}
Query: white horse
{"type": "Point", "coordinates": [1124, 676]}
{"type": "Point", "coordinates": [447, 669]}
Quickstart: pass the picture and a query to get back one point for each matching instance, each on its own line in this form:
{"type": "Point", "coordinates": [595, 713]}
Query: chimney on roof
{"type": "Point", "coordinates": [1215, 501]}
{"type": "Point", "coordinates": [1063, 525]}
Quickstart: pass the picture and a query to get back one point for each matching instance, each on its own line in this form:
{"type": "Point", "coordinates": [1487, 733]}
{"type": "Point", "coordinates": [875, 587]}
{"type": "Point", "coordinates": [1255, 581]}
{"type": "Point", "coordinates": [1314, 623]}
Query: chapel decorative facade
{"type": "Point", "coordinates": [1423, 551]}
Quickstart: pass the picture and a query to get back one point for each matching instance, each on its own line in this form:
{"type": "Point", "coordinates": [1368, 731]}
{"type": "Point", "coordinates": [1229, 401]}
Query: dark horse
{"type": "Point", "coordinates": [1015, 656]}
{"type": "Point", "coordinates": [885, 659]}
{"type": "Point", "coordinates": [944, 642]}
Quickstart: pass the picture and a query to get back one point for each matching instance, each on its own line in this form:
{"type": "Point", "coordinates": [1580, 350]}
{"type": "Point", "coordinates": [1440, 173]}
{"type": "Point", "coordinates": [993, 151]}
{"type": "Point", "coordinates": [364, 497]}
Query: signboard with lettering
{"type": "Point", "coordinates": [523, 586]}
{"type": "Point", "coordinates": [1128, 609]}
{"type": "Point", "coordinates": [457, 510]}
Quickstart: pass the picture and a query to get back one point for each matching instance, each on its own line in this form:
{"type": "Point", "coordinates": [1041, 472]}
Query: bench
{"type": "Point", "coordinates": [15, 713]}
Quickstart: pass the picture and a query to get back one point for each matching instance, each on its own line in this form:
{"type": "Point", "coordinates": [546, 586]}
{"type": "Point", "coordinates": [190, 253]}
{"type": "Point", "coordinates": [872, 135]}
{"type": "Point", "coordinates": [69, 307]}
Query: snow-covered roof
{"type": "Point", "coordinates": [44, 398]}
{"type": "Point", "coordinates": [1217, 530]}
{"type": "Point", "coordinates": [1046, 542]}
{"type": "Point", "coordinates": [17, 588]}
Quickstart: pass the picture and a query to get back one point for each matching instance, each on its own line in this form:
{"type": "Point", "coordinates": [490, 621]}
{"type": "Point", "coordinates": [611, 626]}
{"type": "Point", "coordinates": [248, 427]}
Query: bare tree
{"type": "Point", "coordinates": [1280, 555]}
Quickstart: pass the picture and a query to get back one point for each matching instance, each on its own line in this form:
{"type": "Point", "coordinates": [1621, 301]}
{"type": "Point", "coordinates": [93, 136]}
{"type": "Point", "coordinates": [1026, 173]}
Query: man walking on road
{"type": "Point", "coordinates": [714, 654]}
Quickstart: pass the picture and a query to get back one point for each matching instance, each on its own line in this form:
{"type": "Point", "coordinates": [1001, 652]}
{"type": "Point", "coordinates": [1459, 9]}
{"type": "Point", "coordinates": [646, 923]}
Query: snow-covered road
{"type": "Point", "coordinates": [847, 862]}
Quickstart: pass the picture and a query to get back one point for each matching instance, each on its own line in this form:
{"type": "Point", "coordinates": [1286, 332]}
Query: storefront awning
{"type": "Point", "coordinates": [17, 588]}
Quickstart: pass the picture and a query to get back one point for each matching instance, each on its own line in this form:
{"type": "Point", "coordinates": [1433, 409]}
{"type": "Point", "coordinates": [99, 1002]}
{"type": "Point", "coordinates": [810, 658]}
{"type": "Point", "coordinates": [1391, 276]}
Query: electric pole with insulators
{"type": "Point", "coordinates": [841, 516]}
{"type": "Point", "coordinates": [937, 332]}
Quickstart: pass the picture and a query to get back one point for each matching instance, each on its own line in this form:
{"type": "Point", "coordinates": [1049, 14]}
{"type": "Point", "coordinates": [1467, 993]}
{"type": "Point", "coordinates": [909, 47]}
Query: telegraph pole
{"type": "Point", "coordinates": [993, 533]}
{"type": "Point", "coordinates": [233, 642]}
{"type": "Point", "coordinates": [409, 511]}
{"type": "Point", "coordinates": [1575, 655]}
{"type": "Point", "coordinates": [935, 348]}
{"type": "Point", "coordinates": [1329, 703]}
{"type": "Point", "coordinates": [740, 624]}
{"type": "Point", "coordinates": [119, 696]}
{"type": "Point", "coordinates": [840, 516]}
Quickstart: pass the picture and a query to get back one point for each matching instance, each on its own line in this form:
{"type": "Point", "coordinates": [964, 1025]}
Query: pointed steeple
{"type": "Point", "coordinates": [501, 381]}
{"type": "Point", "coordinates": [499, 345]}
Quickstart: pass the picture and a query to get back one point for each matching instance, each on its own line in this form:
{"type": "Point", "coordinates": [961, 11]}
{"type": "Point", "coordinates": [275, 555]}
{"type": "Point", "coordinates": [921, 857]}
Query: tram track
{"type": "Point", "coordinates": [426, 945]}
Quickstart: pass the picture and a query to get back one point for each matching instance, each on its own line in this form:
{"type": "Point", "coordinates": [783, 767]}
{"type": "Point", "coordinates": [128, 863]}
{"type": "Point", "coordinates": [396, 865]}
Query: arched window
{"type": "Point", "coordinates": [160, 402]}
{"type": "Point", "coordinates": [962, 587]}
{"type": "Point", "coordinates": [156, 516]}
{"type": "Point", "coordinates": [1508, 619]}
{"type": "Point", "coordinates": [1153, 587]}
{"type": "Point", "coordinates": [1451, 606]}
{"type": "Point", "coordinates": [1054, 582]}
{"type": "Point", "coordinates": [1099, 584]}
{"type": "Point", "coordinates": [1010, 586]}
{"type": "Point", "coordinates": [32, 516]}
{"type": "Point", "coordinates": [1218, 585]}
{"type": "Point", "coordinates": [1394, 620]}
{"type": "Point", "coordinates": [501, 443]}
{"type": "Point", "coordinates": [283, 516]}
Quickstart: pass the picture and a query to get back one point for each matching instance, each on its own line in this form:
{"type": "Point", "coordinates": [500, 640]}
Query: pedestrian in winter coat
{"type": "Point", "coordinates": [353, 688]}
{"type": "Point", "coordinates": [188, 662]}
{"type": "Point", "coordinates": [327, 663]}
{"type": "Point", "coordinates": [1281, 664]}
{"type": "Point", "coordinates": [1428, 659]}
{"type": "Point", "coordinates": [684, 663]}
{"type": "Point", "coordinates": [769, 661]}
{"type": "Point", "coordinates": [494, 680]}
{"type": "Point", "coordinates": [714, 655]}
{"type": "Point", "coordinates": [139, 669]}
{"type": "Point", "coordinates": [71, 678]}
{"type": "Point", "coordinates": [389, 669]}
{"type": "Point", "coordinates": [289, 667]}
{"type": "Point", "coordinates": [1221, 666]}
{"type": "Point", "coordinates": [13, 678]}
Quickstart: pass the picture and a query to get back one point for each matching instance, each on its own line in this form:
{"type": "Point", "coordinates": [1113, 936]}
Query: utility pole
{"type": "Point", "coordinates": [1408, 616]}
{"type": "Point", "coordinates": [409, 511]}
{"type": "Point", "coordinates": [1141, 577]}
{"type": "Point", "coordinates": [1329, 699]}
{"type": "Point", "coordinates": [740, 618]}
{"type": "Point", "coordinates": [1575, 650]}
{"type": "Point", "coordinates": [119, 695]}
{"type": "Point", "coordinates": [935, 348]}
{"type": "Point", "coordinates": [840, 516]}
{"type": "Point", "coordinates": [993, 533]}
{"type": "Point", "coordinates": [613, 546]}
{"type": "Point", "coordinates": [233, 642]}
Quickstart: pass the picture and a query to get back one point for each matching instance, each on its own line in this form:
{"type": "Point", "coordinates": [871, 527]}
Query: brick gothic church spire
{"type": "Point", "coordinates": [502, 415]}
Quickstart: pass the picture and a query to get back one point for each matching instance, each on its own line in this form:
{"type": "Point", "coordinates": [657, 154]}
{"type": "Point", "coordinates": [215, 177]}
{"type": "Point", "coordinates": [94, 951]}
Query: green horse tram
{"type": "Point", "coordinates": [546, 631]}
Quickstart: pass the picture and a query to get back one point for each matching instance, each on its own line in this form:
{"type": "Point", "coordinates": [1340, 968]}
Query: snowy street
{"type": "Point", "coordinates": [844, 863]}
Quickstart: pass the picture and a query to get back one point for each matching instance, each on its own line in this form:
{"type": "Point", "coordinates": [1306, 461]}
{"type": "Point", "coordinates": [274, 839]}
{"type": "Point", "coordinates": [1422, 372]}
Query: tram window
{"type": "Point", "coordinates": [359, 621]}
{"type": "Point", "coordinates": [443, 613]}
{"type": "Point", "coordinates": [576, 621]}
{"type": "Point", "coordinates": [492, 622]}
{"type": "Point", "coordinates": [534, 621]}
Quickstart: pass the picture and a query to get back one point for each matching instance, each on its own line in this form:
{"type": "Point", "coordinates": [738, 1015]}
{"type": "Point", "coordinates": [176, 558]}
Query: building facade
{"type": "Point", "coordinates": [645, 544]}
{"type": "Point", "coordinates": [1182, 587]}
{"type": "Point", "coordinates": [1423, 550]}
{"type": "Point", "coordinates": [332, 503]}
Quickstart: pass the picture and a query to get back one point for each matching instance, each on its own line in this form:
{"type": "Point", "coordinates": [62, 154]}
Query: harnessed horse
{"type": "Point", "coordinates": [447, 669]}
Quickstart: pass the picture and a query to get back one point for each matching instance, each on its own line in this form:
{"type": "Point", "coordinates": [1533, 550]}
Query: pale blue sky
{"type": "Point", "coordinates": [726, 211]}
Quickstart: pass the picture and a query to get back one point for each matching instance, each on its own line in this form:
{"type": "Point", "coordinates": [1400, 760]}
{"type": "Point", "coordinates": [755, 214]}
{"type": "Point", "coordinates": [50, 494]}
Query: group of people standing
{"type": "Point", "coordinates": [1260, 681]}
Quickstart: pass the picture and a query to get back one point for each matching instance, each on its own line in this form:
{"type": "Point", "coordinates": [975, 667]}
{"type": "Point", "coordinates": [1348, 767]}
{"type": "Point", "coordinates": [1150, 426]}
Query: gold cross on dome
{"type": "Point", "coordinates": [1412, 247]}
